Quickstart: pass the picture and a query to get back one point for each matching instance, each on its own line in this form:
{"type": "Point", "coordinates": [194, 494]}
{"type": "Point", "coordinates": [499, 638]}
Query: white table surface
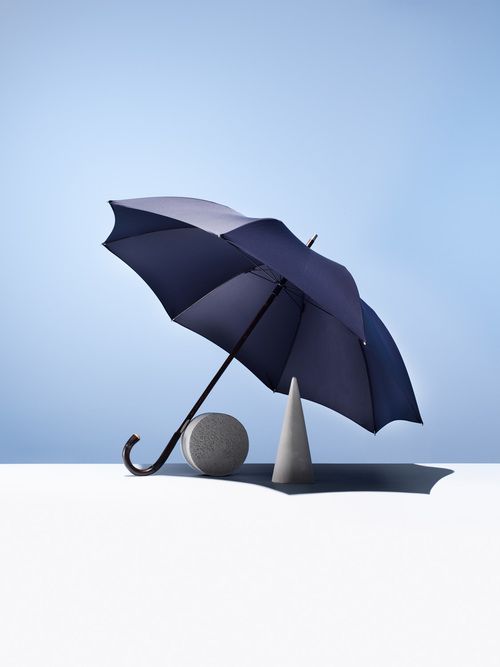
{"type": "Point", "coordinates": [101, 568]}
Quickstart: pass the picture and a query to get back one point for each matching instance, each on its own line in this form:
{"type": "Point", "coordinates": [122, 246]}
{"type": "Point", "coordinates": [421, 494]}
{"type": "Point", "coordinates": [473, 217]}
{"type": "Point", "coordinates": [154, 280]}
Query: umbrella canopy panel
{"type": "Point", "coordinates": [180, 264]}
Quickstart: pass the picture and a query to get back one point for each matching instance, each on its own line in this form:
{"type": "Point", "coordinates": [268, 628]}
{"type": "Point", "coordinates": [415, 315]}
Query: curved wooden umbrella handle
{"type": "Point", "coordinates": [154, 467]}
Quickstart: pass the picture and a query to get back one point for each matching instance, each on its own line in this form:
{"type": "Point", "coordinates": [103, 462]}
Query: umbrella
{"type": "Point", "coordinates": [217, 272]}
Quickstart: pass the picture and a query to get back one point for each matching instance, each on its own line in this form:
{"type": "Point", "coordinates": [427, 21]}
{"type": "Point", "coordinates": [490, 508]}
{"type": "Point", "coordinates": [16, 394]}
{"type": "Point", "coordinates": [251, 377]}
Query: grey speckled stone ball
{"type": "Point", "coordinates": [215, 444]}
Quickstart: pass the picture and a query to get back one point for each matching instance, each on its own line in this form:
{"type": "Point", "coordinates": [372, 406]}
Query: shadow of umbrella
{"type": "Point", "coordinates": [334, 477]}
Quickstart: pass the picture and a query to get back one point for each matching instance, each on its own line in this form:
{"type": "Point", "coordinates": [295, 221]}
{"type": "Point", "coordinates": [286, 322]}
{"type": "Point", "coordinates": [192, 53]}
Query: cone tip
{"type": "Point", "coordinates": [294, 388]}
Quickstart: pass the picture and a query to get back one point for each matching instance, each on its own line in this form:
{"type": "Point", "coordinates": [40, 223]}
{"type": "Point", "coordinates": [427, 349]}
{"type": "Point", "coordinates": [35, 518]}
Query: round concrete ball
{"type": "Point", "coordinates": [215, 444]}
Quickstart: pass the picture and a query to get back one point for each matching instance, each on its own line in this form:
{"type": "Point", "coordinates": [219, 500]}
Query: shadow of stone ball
{"type": "Point", "coordinates": [215, 444]}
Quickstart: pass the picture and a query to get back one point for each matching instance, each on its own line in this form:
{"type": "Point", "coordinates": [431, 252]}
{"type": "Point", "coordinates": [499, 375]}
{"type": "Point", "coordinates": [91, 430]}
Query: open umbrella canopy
{"type": "Point", "coordinates": [212, 268]}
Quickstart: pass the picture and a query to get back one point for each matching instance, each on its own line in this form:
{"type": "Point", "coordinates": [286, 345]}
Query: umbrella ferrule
{"type": "Point", "coordinates": [311, 240]}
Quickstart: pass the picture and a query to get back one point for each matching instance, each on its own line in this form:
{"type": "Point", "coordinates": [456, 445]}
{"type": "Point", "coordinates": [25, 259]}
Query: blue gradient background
{"type": "Point", "coordinates": [374, 124]}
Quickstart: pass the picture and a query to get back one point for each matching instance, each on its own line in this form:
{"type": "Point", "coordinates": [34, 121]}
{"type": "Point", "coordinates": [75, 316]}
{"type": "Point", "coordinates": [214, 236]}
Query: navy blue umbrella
{"type": "Point", "coordinates": [217, 272]}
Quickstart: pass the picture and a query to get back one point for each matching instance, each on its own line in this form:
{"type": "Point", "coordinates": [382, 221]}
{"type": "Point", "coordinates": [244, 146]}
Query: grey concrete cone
{"type": "Point", "coordinates": [293, 460]}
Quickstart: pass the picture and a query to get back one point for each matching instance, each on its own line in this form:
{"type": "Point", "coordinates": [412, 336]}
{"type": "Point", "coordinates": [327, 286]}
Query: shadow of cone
{"type": "Point", "coordinates": [293, 460]}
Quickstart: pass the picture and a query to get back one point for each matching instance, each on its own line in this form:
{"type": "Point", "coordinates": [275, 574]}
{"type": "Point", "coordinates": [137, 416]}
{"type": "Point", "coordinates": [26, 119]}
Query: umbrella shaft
{"type": "Point", "coordinates": [232, 354]}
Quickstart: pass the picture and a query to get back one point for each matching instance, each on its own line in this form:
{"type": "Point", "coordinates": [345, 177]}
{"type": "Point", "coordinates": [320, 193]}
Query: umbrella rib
{"type": "Point", "coordinates": [369, 386]}
{"type": "Point", "coordinates": [251, 271]}
{"type": "Point", "coordinates": [299, 322]}
{"type": "Point", "coordinates": [258, 275]}
{"type": "Point", "coordinates": [287, 289]}
{"type": "Point", "coordinates": [327, 312]}
{"type": "Point", "coordinates": [224, 282]}
{"type": "Point", "coordinates": [277, 277]}
{"type": "Point", "coordinates": [182, 225]}
{"type": "Point", "coordinates": [268, 272]}
{"type": "Point", "coordinates": [289, 295]}
{"type": "Point", "coordinates": [297, 291]}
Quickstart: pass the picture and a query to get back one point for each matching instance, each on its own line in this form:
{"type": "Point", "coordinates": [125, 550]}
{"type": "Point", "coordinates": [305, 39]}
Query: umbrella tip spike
{"type": "Point", "coordinates": [311, 240]}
